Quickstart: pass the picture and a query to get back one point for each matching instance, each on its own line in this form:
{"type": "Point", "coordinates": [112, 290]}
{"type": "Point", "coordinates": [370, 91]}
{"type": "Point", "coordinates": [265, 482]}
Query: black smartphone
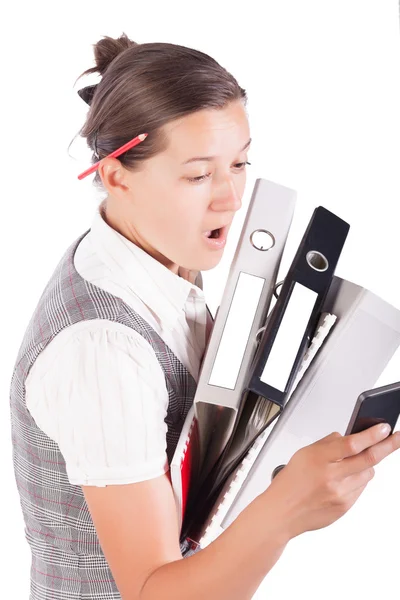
{"type": "Point", "coordinates": [379, 405]}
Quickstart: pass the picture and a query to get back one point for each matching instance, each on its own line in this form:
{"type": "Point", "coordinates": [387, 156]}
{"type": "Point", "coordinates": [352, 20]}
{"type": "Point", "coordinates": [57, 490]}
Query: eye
{"type": "Point", "coordinates": [239, 166]}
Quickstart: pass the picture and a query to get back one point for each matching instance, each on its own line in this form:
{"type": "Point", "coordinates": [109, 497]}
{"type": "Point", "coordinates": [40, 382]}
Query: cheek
{"type": "Point", "coordinates": [175, 208]}
{"type": "Point", "coordinates": [184, 223]}
{"type": "Point", "coordinates": [188, 211]}
{"type": "Point", "coordinates": [241, 185]}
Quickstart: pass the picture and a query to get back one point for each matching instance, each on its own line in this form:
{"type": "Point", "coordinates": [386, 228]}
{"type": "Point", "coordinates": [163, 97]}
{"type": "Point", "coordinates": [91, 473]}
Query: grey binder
{"type": "Point", "coordinates": [242, 312]}
{"type": "Point", "coordinates": [352, 358]}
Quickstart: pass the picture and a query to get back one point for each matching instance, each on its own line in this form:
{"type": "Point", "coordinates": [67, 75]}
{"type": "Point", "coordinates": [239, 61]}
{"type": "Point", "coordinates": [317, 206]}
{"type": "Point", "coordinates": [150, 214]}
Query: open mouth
{"type": "Point", "coordinates": [217, 237]}
{"type": "Point", "coordinates": [213, 234]}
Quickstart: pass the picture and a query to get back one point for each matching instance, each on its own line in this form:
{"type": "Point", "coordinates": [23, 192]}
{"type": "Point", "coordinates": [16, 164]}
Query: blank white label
{"type": "Point", "coordinates": [236, 332]}
{"type": "Point", "coordinates": [290, 333]}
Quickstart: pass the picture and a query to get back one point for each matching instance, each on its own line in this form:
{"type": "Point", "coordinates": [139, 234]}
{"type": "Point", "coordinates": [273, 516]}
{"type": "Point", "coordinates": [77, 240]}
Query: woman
{"type": "Point", "coordinates": [107, 370]}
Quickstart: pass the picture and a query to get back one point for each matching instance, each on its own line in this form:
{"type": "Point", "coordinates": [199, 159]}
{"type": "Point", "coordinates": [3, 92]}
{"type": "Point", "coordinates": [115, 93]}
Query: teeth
{"type": "Point", "coordinates": [207, 233]}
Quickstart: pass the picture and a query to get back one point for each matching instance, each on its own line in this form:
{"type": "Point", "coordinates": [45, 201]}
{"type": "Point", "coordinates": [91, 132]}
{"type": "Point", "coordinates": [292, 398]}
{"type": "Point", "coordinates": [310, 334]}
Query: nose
{"type": "Point", "coordinates": [227, 196]}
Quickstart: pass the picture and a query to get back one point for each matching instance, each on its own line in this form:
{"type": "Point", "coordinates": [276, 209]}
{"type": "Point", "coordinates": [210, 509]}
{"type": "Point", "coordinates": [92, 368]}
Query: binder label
{"type": "Point", "coordinates": [288, 339]}
{"type": "Point", "coordinates": [236, 332]}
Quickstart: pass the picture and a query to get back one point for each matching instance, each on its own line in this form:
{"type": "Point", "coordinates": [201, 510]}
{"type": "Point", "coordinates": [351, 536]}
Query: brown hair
{"type": "Point", "coordinates": [145, 86]}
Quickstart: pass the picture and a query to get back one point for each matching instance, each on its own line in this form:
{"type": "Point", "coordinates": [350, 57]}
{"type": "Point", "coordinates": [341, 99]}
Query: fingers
{"type": "Point", "coordinates": [354, 495]}
{"type": "Point", "coordinates": [350, 488]}
{"type": "Point", "coordinates": [371, 456]}
{"type": "Point", "coordinates": [342, 447]}
{"type": "Point", "coordinates": [361, 478]}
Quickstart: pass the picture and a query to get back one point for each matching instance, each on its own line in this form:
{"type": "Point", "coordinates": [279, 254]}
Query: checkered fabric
{"type": "Point", "coordinates": [67, 560]}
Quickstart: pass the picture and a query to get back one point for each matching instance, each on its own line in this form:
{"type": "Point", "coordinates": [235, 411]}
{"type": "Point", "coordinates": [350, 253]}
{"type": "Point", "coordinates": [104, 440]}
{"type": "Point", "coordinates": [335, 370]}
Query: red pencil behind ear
{"type": "Point", "coordinates": [134, 142]}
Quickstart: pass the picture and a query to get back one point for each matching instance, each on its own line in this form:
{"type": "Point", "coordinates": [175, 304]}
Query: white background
{"type": "Point", "coordinates": [323, 84]}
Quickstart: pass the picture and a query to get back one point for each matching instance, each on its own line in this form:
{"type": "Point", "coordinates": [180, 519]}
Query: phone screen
{"type": "Point", "coordinates": [380, 405]}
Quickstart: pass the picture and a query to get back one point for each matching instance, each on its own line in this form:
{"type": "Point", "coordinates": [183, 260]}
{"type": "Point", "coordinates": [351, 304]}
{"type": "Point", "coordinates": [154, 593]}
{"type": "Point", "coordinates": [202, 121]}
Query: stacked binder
{"type": "Point", "coordinates": [295, 371]}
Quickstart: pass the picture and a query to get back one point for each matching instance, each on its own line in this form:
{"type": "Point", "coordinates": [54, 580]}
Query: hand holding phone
{"type": "Point", "coordinates": [379, 405]}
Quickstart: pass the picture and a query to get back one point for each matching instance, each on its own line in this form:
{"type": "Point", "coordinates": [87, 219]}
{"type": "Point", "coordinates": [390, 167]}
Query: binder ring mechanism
{"type": "Point", "coordinates": [276, 296]}
{"type": "Point", "coordinates": [276, 471]}
{"type": "Point", "coordinates": [263, 240]}
{"type": "Point", "coordinates": [258, 334]}
{"type": "Point", "coordinates": [317, 261]}
{"type": "Point", "coordinates": [279, 284]}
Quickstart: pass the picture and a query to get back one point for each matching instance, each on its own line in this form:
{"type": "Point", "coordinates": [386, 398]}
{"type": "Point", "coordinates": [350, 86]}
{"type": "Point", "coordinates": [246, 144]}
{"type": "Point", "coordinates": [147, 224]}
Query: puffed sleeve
{"type": "Point", "coordinates": [100, 394]}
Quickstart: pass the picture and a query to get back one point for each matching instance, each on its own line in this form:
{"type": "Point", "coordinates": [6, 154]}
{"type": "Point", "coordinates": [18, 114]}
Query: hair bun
{"type": "Point", "coordinates": [108, 48]}
{"type": "Point", "coordinates": [87, 93]}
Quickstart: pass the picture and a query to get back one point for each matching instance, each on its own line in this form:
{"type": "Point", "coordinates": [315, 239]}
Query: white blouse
{"type": "Point", "coordinates": [108, 374]}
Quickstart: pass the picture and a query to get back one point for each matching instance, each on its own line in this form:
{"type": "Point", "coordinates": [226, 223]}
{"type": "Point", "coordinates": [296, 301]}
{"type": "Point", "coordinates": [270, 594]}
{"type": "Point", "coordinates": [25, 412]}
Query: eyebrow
{"type": "Point", "coordinates": [196, 158]}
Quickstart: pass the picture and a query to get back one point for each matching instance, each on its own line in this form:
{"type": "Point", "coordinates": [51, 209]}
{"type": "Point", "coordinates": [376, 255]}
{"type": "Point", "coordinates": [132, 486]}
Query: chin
{"type": "Point", "coordinates": [212, 262]}
{"type": "Point", "coordinates": [202, 261]}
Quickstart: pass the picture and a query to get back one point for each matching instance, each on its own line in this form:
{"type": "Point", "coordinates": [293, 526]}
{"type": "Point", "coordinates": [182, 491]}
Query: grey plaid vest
{"type": "Point", "coordinates": [67, 560]}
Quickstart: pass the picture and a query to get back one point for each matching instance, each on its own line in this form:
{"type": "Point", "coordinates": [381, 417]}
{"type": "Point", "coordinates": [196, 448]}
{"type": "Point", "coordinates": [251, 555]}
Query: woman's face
{"type": "Point", "coordinates": [163, 209]}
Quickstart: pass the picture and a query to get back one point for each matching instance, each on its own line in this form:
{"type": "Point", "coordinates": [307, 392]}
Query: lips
{"type": "Point", "coordinates": [222, 229]}
{"type": "Point", "coordinates": [217, 243]}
